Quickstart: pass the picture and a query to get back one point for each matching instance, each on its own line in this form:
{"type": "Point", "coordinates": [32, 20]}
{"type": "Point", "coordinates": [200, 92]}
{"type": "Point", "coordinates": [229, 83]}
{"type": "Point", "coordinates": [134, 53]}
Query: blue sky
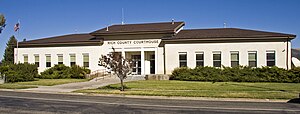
{"type": "Point", "coordinates": [44, 18]}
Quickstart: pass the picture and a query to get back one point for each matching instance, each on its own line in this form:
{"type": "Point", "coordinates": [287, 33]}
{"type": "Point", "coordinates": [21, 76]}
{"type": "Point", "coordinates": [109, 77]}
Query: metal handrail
{"type": "Point", "coordinates": [97, 73]}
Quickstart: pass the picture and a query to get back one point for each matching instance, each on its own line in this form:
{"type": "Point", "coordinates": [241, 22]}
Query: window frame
{"type": "Point", "coordinates": [201, 61]}
{"type": "Point", "coordinates": [234, 61]}
{"type": "Point", "coordinates": [181, 62]}
{"type": "Point", "coordinates": [86, 64]}
{"type": "Point", "coordinates": [270, 60]}
{"type": "Point", "coordinates": [252, 52]}
{"type": "Point", "coordinates": [72, 63]}
{"type": "Point", "coordinates": [58, 59]}
{"type": "Point", "coordinates": [37, 62]}
{"type": "Point", "coordinates": [27, 58]}
{"type": "Point", "coordinates": [215, 60]}
{"type": "Point", "coordinates": [48, 63]}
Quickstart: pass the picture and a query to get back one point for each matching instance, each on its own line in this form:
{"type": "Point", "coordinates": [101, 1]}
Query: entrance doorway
{"type": "Point", "coordinates": [136, 61]}
{"type": "Point", "coordinates": [152, 64]}
{"type": "Point", "coordinates": [142, 62]}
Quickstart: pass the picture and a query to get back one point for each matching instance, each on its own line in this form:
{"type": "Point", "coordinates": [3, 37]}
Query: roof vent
{"type": "Point", "coordinates": [224, 25]}
{"type": "Point", "coordinates": [172, 21]}
{"type": "Point", "coordinates": [107, 28]}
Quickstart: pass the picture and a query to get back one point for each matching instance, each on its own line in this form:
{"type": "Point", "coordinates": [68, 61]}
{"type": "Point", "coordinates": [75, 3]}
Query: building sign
{"type": "Point", "coordinates": [130, 42]}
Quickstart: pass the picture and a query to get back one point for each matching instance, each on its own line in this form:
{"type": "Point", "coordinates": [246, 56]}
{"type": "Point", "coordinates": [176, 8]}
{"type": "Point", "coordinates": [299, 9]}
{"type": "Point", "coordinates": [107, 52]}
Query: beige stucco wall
{"type": "Point", "coordinates": [135, 46]}
{"type": "Point", "coordinates": [172, 50]}
{"type": "Point", "coordinates": [94, 52]}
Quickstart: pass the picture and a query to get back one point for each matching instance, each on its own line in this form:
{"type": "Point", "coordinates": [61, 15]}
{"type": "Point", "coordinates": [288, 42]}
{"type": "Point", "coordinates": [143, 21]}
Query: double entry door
{"type": "Point", "coordinates": [136, 60]}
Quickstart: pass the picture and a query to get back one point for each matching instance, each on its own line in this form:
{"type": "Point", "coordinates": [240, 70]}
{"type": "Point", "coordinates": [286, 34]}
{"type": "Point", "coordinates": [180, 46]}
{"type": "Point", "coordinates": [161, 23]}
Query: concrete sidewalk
{"type": "Point", "coordinates": [95, 83]}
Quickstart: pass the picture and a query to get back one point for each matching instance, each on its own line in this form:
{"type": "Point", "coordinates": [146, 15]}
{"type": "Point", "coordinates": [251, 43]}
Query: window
{"type": "Point", "coordinates": [86, 60]}
{"type": "Point", "coordinates": [25, 58]}
{"type": "Point", "coordinates": [48, 60]}
{"type": "Point", "coordinates": [60, 58]}
{"type": "Point", "coordinates": [72, 59]}
{"type": "Point", "coordinates": [252, 58]}
{"type": "Point", "coordinates": [217, 59]}
{"type": "Point", "coordinates": [37, 60]}
{"type": "Point", "coordinates": [182, 59]}
{"type": "Point", "coordinates": [270, 58]}
{"type": "Point", "coordinates": [199, 59]}
{"type": "Point", "coordinates": [234, 58]}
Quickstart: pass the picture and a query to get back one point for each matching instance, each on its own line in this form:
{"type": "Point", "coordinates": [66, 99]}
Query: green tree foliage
{"type": "Point", "coordinates": [8, 57]}
{"type": "Point", "coordinates": [2, 22]}
{"type": "Point", "coordinates": [118, 64]}
{"type": "Point", "coordinates": [19, 72]}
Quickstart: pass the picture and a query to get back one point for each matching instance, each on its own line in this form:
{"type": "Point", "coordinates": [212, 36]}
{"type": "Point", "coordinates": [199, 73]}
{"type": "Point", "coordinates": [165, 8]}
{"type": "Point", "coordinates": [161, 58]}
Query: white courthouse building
{"type": "Point", "coordinates": [158, 48]}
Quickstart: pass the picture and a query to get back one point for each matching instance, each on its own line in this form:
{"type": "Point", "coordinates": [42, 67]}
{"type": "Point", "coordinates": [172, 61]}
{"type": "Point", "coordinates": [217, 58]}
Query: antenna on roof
{"type": "Point", "coordinates": [122, 16]}
{"type": "Point", "coordinates": [172, 21]}
{"type": "Point", "coordinates": [224, 25]}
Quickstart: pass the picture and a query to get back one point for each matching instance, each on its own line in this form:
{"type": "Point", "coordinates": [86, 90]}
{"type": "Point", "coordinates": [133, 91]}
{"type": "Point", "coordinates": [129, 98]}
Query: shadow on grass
{"type": "Point", "coordinates": [270, 89]}
{"type": "Point", "coordinates": [296, 100]}
{"type": "Point", "coordinates": [113, 87]}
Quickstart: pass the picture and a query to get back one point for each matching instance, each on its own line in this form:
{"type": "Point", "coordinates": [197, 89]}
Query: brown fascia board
{"type": "Point", "coordinates": [53, 44]}
{"type": "Point", "coordinates": [228, 38]}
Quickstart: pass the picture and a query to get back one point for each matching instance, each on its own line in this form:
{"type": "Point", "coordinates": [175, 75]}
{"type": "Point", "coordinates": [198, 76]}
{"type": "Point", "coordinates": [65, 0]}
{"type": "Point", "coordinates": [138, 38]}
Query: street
{"type": "Point", "coordinates": [25, 102]}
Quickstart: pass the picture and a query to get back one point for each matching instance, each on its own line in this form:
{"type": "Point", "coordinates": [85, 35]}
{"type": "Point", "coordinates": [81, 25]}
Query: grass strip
{"type": "Point", "coordinates": [203, 89]}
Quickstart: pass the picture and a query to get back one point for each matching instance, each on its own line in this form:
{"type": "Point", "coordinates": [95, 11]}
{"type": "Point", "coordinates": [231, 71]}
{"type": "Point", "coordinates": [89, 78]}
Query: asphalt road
{"type": "Point", "coordinates": [25, 102]}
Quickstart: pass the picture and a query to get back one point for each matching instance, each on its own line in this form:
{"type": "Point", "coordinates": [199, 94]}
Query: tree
{"type": "Point", "coordinates": [8, 57]}
{"type": "Point", "coordinates": [118, 64]}
{"type": "Point", "coordinates": [2, 22]}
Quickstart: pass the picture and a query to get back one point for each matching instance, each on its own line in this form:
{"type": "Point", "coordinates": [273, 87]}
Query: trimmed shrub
{"type": "Point", "coordinates": [56, 72]}
{"type": "Point", "coordinates": [294, 73]}
{"type": "Point", "coordinates": [79, 72]}
{"type": "Point", "coordinates": [19, 72]}
{"type": "Point", "coordinates": [237, 74]}
{"type": "Point", "coordinates": [181, 73]}
{"type": "Point", "coordinates": [61, 72]}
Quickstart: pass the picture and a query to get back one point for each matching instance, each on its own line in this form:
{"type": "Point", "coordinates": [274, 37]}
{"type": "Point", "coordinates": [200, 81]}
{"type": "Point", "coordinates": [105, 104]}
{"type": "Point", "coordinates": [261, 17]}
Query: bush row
{"type": "Point", "coordinates": [61, 71]}
{"type": "Point", "coordinates": [237, 74]}
{"type": "Point", "coordinates": [27, 72]}
{"type": "Point", "coordinates": [19, 72]}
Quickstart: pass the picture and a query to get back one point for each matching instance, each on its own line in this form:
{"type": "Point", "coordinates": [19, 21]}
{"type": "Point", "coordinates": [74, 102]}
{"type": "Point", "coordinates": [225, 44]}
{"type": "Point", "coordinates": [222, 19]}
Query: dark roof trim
{"type": "Point", "coordinates": [227, 34]}
{"type": "Point", "coordinates": [229, 38]}
{"type": "Point", "coordinates": [71, 39]}
{"type": "Point", "coordinates": [221, 41]}
{"type": "Point", "coordinates": [87, 43]}
{"type": "Point", "coordinates": [134, 33]}
{"type": "Point", "coordinates": [143, 28]}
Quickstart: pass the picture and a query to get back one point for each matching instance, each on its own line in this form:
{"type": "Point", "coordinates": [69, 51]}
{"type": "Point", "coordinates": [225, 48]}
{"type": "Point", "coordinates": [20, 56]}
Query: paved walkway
{"type": "Point", "coordinates": [95, 83]}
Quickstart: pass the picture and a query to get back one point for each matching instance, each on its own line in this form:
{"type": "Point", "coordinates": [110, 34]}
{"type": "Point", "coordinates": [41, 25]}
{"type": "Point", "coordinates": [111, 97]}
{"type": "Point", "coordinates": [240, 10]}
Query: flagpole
{"type": "Point", "coordinates": [17, 51]}
{"type": "Point", "coordinates": [17, 47]}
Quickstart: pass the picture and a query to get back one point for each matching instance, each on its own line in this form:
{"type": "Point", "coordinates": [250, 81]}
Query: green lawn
{"type": "Point", "coordinates": [16, 86]}
{"type": "Point", "coordinates": [39, 82]}
{"type": "Point", "coordinates": [204, 89]}
{"type": "Point", "coordinates": [51, 82]}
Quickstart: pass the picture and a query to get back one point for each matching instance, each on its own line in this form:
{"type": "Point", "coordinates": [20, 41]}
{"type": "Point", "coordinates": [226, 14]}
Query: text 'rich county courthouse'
{"type": "Point", "coordinates": [158, 48]}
